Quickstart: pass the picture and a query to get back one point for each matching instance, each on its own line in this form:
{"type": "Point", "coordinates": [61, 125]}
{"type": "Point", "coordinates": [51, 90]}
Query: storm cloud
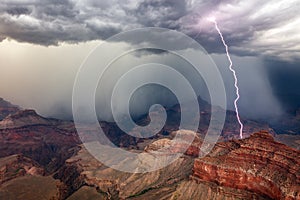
{"type": "Point", "coordinates": [268, 28]}
{"type": "Point", "coordinates": [263, 38]}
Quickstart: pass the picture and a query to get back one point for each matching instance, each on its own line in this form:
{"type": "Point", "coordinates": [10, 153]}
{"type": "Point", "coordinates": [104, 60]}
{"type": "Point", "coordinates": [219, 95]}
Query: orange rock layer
{"type": "Point", "coordinates": [257, 164]}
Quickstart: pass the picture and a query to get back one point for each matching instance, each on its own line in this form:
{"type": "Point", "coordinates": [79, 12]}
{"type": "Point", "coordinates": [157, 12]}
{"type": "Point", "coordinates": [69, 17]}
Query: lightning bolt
{"type": "Point", "coordinates": [212, 19]}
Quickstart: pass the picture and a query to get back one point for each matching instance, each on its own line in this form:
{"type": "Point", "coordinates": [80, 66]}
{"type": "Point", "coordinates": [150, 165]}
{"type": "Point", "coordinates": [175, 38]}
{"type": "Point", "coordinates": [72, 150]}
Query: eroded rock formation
{"type": "Point", "coordinates": [257, 164]}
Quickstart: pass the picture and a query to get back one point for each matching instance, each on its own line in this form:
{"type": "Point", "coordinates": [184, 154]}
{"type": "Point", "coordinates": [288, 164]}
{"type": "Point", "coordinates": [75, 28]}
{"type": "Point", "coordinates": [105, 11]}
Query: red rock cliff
{"type": "Point", "coordinates": [257, 164]}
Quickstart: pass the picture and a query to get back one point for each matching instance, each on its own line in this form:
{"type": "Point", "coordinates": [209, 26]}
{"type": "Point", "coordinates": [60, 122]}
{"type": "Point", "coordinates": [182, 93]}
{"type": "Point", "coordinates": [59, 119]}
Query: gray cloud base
{"type": "Point", "coordinates": [249, 26]}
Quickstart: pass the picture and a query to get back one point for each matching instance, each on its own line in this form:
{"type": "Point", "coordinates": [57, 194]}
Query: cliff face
{"type": "Point", "coordinates": [17, 165]}
{"type": "Point", "coordinates": [257, 164]}
{"type": "Point", "coordinates": [7, 108]}
{"type": "Point", "coordinates": [113, 184]}
{"type": "Point", "coordinates": [254, 168]}
{"type": "Point", "coordinates": [24, 118]}
{"type": "Point", "coordinates": [48, 142]}
{"type": "Point", "coordinates": [70, 180]}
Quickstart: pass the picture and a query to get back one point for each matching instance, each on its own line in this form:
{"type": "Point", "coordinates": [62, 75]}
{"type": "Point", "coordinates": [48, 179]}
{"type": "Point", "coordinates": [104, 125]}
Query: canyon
{"type": "Point", "coordinates": [43, 158]}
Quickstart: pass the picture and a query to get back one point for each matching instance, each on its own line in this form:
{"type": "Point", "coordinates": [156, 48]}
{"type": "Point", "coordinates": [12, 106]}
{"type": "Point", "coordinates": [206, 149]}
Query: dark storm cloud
{"type": "Point", "coordinates": [157, 13]}
{"type": "Point", "coordinates": [149, 51]}
{"type": "Point", "coordinates": [50, 22]}
{"type": "Point", "coordinates": [251, 28]}
{"type": "Point", "coordinates": [262, 29]}
{"type": "Point", "coordinates": [18, 11]}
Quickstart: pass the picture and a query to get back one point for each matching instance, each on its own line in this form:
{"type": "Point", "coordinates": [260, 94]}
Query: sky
{"type": "Point", "coordinates": [43, 44]}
